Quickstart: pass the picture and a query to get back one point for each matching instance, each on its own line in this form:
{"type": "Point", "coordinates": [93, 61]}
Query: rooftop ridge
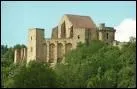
{"type": "Point", "coordinates": [77, 15]}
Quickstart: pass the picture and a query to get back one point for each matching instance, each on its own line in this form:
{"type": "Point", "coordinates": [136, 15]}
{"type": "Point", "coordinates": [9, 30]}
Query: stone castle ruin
{"type": "Point", "coordinates": [71, 30]}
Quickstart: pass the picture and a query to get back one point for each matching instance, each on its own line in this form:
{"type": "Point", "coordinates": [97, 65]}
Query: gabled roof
{"type": "Point", "coordinates": [81, 21]}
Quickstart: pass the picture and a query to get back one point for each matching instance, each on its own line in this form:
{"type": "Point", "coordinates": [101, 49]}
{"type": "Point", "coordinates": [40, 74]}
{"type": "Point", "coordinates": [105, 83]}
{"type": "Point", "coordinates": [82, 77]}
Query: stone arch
{"type": "Point", "coordinates": [59, 52]}
{"type": "Point", "coordinates": [51, 53]}
{"type": "Point", "coordinates": [63, 30]}
{"type": "Point", "coordinates": [68, 47]}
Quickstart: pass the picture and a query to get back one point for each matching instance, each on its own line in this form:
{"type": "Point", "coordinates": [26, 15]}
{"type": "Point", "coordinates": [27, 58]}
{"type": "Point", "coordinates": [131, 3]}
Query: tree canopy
{"type": "Point", "coordinates": [96, 65]}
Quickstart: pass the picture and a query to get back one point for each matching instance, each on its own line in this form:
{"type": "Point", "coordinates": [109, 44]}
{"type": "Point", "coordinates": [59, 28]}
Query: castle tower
{"type": "Point", "coordinates": [106, 34]}
{"type": "Point", "coordinates": [35, 44]}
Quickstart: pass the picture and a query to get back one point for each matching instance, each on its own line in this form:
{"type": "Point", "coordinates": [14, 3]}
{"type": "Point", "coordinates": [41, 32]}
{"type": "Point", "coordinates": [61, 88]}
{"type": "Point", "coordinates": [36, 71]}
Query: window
{"type": "Point", "coordinates": [63, 30]}
{"type": "Point", "coordinates": [31, 37]}
{"type": "Point", "coordinates": [78, 36]}
{"type": "Point", "coordinates": [107, 35]}
{"type": "Point", "coordinates": [71, 32]}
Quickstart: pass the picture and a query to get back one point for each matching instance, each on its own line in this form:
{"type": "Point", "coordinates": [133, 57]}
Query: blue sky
{"type": "Point", "coordinates": [18, 16]}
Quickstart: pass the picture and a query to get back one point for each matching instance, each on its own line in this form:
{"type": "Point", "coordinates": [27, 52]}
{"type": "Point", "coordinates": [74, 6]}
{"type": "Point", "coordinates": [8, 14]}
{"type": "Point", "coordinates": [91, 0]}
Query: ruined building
{"type": "Point", "coordinates": [65, 36]}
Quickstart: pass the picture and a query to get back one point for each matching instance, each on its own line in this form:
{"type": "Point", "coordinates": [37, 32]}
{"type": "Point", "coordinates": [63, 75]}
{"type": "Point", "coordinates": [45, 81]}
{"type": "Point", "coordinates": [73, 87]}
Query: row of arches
{"type": "Point", "coordinates": [57, 51]}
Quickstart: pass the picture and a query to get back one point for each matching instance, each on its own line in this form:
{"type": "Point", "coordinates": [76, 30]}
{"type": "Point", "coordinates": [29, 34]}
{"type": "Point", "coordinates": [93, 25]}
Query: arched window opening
{"type": "Point", "coordinates": [71, 32]}
{"type": "Point", "coordinates": [59, 52]}
{"type": "Point", "coordinates": [63, 30]}
{"type": "Point", "coordinates": [51, 53]}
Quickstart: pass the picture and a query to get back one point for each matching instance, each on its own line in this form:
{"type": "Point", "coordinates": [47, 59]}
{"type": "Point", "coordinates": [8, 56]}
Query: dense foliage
{"type": "Point", "coordinates": [99, 65]}
{"type": "Point", "coordinates": [35, 75]}
{"type": "Point", "coordinates": [96, 65]}
{"type": "Point", "coordinates": [7, 66]}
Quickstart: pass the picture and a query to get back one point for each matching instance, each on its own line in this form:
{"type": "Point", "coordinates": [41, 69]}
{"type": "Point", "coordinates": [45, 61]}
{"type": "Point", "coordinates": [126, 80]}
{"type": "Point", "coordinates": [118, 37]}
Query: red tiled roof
{"type": "Point", "coordinates": [81, 21]}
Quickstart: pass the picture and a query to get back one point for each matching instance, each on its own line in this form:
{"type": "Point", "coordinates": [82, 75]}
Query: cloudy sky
{"type": "Point", "coordinates": [18, 16]}
{"type": "Point", "coordinates": [126, 29]}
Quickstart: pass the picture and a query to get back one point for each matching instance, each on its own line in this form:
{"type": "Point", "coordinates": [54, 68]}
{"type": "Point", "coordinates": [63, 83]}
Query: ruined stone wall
{"type": "Point", "coordinates": [56, 49]}
{"type": "Point", "coordinates": [31, 52]}
{"type": "Point", "coordinates": [67, 24]}
{"type": "Point", "coordinates": [54, 33]}
{"type": "Point", "coordinates": [20, 55]}
{"type": "Point", "coordinates": [35, 44]}
{"type": "Point", "coordinates": [53, 50]}
{"type": "Point", "coordinates": [79, 35]}
{"type": "Point", "coordinates": [106, 34]}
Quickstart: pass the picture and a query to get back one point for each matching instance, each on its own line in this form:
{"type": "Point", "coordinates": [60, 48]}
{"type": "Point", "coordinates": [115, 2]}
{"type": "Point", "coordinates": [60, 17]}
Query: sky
{"type": "Point", "coordinates": [18, 16]}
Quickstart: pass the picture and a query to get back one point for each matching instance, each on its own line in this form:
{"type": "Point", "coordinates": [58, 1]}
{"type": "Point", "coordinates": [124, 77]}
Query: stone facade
{"type": "Point", "coordinates": [71, 30]}
{"type": "Point", "coordinates": [20, 54]}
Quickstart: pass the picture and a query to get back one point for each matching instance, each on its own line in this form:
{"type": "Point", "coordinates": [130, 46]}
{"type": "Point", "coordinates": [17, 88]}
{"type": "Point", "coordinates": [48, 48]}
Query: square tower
{"type": "Point", "coordinates": [35, 44]}
{"type": "Point", "coordinates": [106, 34]}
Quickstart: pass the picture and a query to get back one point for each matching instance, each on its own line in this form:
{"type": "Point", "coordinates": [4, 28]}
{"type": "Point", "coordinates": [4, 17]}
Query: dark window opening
{"type": "Point", "coordinates": [78, 36]}
{"type": "Point", "coordinates": [31, 37]}
{"type": "Point", "coordinates": [63, 30]}
{"type": "Point", "coordinates": [71, 32]}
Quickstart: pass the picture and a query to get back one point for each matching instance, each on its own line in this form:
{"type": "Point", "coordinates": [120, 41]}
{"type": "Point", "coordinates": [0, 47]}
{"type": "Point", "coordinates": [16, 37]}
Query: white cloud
{"type": "Point", "coordinates": [126, 29]}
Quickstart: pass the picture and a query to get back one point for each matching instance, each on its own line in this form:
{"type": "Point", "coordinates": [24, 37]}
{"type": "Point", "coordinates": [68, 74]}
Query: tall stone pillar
{"type": "Point", "coordinates": [47, 52]}
{"type": "Point", "coordinates": [22, 54]}
{"type": "Point", "coordinates": [44, 52]}
{"type": "Point", "coordinates": [64, 47]}
{"type": "Point", "coordinates": [25, 53]}
{"type": "Point", "coordinates": [55, 57]}
{"type": "Point", "coordinates": [15, 56]}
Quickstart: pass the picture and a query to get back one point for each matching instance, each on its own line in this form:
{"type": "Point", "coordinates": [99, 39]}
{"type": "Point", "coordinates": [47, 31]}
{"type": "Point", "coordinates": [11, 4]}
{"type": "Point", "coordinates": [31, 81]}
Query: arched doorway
{"type": "Point", "coordinates": [51, 53]}
{"type": "Point", "coordinates": [68, 47]}
{"type": "Point", "coordinates": [59, 52]}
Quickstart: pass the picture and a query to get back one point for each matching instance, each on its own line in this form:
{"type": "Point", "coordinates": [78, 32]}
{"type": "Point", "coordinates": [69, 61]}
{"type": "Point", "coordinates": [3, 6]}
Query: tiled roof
{"type": "Point", "coordinates": [81, 21]}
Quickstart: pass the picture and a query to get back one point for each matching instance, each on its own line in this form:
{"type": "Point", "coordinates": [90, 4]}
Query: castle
{"type": "Point", "coordinates": [71, 30]}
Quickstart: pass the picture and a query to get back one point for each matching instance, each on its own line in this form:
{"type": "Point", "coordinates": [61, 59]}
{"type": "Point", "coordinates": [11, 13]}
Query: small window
{"type": "Point", "coordinates": [78, 36]}
{"type": "Point", "coordinates": [31, 37]}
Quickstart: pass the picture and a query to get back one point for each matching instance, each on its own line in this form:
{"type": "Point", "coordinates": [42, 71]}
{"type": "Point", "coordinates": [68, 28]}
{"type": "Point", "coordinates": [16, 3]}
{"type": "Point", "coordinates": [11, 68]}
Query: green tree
{"type": "Point", "coordinates": [98, 66]}
{"type": "Point", "coordinates": [35, 75]}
